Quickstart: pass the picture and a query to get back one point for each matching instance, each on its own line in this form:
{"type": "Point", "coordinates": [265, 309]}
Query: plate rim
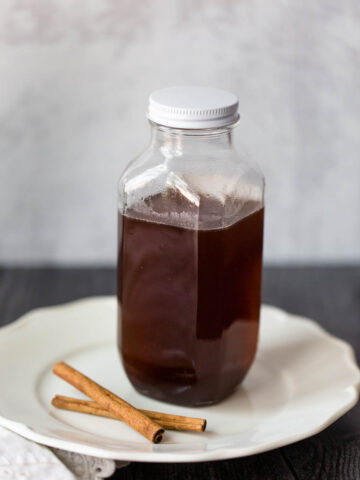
{"type": "Point", "coordinates": [220, 453]}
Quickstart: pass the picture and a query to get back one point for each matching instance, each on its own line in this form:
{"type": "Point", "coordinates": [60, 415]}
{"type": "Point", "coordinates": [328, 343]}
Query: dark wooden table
{"type": "Point", "coordinates": [331, 295]}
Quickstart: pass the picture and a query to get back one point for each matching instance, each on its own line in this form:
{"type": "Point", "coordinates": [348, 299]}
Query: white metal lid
{"type": "Point", "coordinates": [193, 107]}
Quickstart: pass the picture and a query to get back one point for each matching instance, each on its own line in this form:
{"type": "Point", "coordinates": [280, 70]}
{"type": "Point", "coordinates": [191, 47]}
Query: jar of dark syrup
{"type": "Point", "coordinates": [191, 215]}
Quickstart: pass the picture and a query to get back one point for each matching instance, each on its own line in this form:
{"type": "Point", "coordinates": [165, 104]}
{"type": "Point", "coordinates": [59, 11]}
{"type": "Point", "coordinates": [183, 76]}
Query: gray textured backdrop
{"type": "Point", "coordinates": [74, 81]}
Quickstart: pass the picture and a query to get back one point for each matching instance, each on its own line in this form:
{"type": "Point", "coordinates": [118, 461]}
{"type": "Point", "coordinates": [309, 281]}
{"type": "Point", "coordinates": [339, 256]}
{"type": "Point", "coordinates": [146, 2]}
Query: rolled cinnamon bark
{"type": "Point", "coordinates": [167, 421]}
{"type": "Point", "coordinates": [111, 402]}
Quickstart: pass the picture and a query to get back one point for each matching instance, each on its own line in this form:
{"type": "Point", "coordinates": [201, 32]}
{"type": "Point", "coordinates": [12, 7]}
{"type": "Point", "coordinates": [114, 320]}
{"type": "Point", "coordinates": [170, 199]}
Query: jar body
{"type": "Point", "coordinates": [189, 266]}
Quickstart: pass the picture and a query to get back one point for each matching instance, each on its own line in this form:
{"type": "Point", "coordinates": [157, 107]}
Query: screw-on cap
{"type": "Point", "coordinates": [193, 107]}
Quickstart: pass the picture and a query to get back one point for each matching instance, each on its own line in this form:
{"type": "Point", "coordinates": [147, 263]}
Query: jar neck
{"type": "Point", "coordinates": [174, 141]}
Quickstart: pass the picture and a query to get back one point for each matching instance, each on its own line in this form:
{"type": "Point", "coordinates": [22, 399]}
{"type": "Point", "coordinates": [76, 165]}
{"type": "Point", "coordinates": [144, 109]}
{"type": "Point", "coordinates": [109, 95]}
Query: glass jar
{"type": "Point", "coordinates": [190, 252]}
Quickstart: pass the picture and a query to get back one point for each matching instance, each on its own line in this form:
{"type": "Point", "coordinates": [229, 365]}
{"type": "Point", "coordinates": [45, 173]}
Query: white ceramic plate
{"type": "Point", "coordinates": [302, 380]}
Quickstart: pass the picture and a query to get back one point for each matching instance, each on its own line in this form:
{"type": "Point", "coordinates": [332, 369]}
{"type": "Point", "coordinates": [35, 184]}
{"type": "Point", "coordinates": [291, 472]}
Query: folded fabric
{"type": "Point", "coordinates": [23, 459]}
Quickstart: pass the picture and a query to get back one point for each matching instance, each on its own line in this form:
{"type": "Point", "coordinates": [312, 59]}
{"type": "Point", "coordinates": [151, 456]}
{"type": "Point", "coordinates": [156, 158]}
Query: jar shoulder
{"type": "Point", "coordinates": [226, 165]}
{"type": "Point", "coordinates": [202, 190]}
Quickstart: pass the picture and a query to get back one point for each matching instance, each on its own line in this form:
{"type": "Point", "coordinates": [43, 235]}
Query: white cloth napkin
{"type": "Point", "coordinates": [21, 459]}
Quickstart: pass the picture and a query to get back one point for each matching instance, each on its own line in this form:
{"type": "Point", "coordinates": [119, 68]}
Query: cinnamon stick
{"type": "Point", "coordinates": [167, 421]}
{"type": "Point", "coordinates": [111, 402]}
